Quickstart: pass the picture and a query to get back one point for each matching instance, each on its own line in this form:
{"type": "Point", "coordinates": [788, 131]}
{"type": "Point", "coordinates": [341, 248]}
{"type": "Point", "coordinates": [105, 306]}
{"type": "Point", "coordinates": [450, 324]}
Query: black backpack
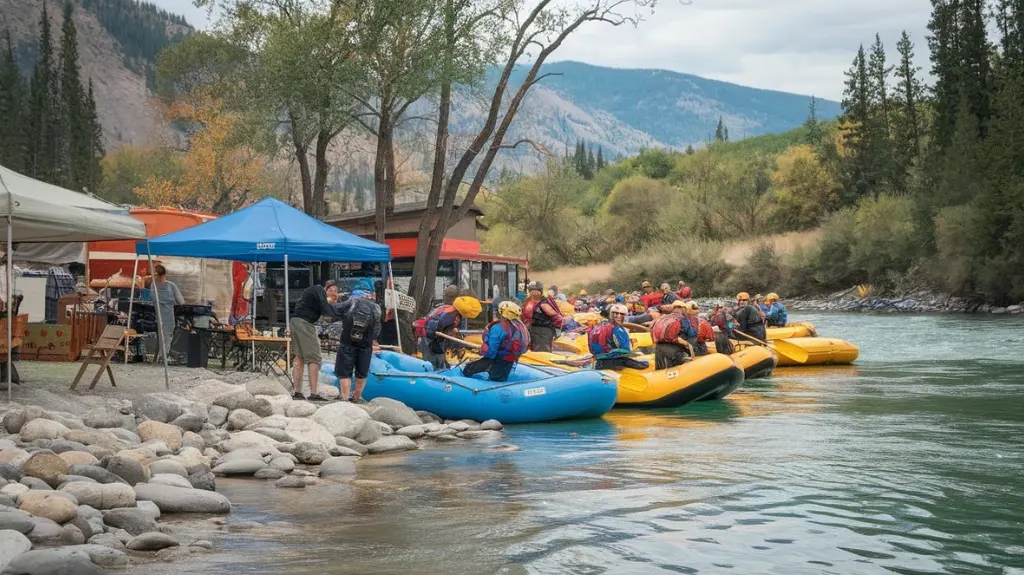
{"type": "Point", "coordinates": [359, 323]}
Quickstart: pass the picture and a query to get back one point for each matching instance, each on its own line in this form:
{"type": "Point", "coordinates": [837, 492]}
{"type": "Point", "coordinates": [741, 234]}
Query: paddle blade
{"type": "Point", "coordinates": [794, 352]}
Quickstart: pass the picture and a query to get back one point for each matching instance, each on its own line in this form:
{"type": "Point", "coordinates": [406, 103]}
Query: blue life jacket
{"type": "Point", "coordinates": [505, 340]}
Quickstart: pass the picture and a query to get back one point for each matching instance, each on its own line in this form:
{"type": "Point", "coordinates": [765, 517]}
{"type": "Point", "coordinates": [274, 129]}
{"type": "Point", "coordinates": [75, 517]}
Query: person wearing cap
{"type": "Point", "coordinates": [671, 334]}
{"type": "Point", "coordinates": [445, 319]}
{"type": "Point", "coordinates": [504, 340]}
{"type": "Point", "coordinates": [775, 312]}
{"type": "Point", "coordinates": [314, 303]}
{"type": "Point", "coordinates": [759, 303]}
{"type": "Point", "coordinates": [684, 292]}
{"type": "Point", "coordinates": [650, 298]}
{"type": "Point", "coordinates": [748, 319]}
{"type": "Point", "coordinates": [723, 320]}
{"type": "Point", "coordinates": [700, 337]}
{"type": "Point", "coordinates": [360, 329]}
{"type": "Point", "coordinates": [667, 295]}
{"type": "Point", "coordinates": [542, 318]}
{"type": "Point", "coordinates": [609, 342]}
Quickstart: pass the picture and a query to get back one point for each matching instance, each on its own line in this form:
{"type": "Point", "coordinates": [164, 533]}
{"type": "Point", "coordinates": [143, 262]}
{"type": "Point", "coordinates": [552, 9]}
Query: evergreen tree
{"type": "Point", "coordinates": [879, 72]}
{"type": "Point", "coordinates": [815, 131]}
{"type": "Point", "coordinates": [689, 150]}
{"type": "Point", "coordinates": [859, 176]}
{"type": "Point", "coordinates": [600, 159]}
{"type": "Point", "coordinates": [12, 109]}
{"type": "Point", "coordinates": [907, 98]}
{"type": "Point", "coordinates": [975, 65]}
{"type": "Point", "coordinates": [945, 57]}
{"type": "Point", "coordinates": [43, 122]}
{"type": "Point", "coordinates": [591, 162]}
{"type": "Point", "coordinates": [721, 133]}
{"type": "Point", "coordinates": [94, 170]}
{"type": "Point", "coordinates": [579, 161]}
{"type": "Point", "coordinates": [77, 149]}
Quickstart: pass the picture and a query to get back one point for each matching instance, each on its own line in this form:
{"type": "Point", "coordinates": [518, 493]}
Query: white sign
{"type": "Point", "coordinates": [534, 392]}
{"type": "Point", "coordinates": [266, 246]}
{"type": "Point", "coordinates": [396, 299]}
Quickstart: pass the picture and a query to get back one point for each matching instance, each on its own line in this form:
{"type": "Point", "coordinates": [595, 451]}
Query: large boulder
{"type": "Point", "coordinates": [72, 535]}
{"type": "Point", "coordinates": [15, 456]}
{"type": "Point", "coordinates": [193, 440]}
{"type": "Point", "coordinates": [209, 390]}
{"type": "Point", "coordinates": [299, 409]}
{"type": "Point", "coordinates": [338, 467]}
{"type": "Point", "coordinates": [126, 435]}
{"type": "Point", "coordinates": [15, 521]}
{"type": "Point", "coordinates": [12, 544]}
{"type": "Point", "coordinates": [9, 472]}
{"type": "Point", "coordinates": [170, 479]}
{"type": "Point", "coordinates": [283, 463]}
{"type": "Point", "coordinates": [203, 479]}
{"type": "Point", "coordinates": [310, 453]}
{"type": "Point", "coordinates": [143, 454]}
{"type": "Point", "coordinates": [392, 443]}
{"type": "Point", "coordinates": [49, 504]}
{"type": "Point", "coordinates": [102, 555]}
{"type": "Point", "coordinates": [61, 561]}
{"type": "Point", "coordinates": [370, 432]}
{"type": "Point", "coordinates": [218, 415]}
{"type": "Point", "coordinates": [266, 386]}
{"type": "Point", "coordinates": [393, 412]}
{"type": "Point", "coordinates": [96, 473]}
{"type": "Point", "coordinates": [101, 496]}
{"type": "Point", "coordinates": [103, 438]}
{"type": "Point", "coordinates": [78, 458]}
{"type": "Point", "coordinates": [59, 446]}
{"type": "Point", "coordinates": [42, 429]}
{"type": "Point", "coordinates": [168, 466]}
{"type": "Point", "coordinates": [189, 422]}
{"type": "Point", "coordinates": [249, 440]}
{"type": "Point", "coordinates": [169, 434]}
{"type": "Point", "coordinates": [180, 500]}
{"type": "Point", "coordinates": [342, 418]}
{"type": "Point", "coordinates": [46, 465]}
{"type": "Point", "coordinates": [275, 434]}
{"type": "Point", "coordinates": [152, 541]}
{"type": "Point", "coordinates": [352, 444]}
{"type": "Point", "coordinates": [262, 407]}
{"type": "Point", "coordinates": [156, 408]}
{"type": "Point", "coordinates": [131, 470]}
{"type": "Point", "coordinates": [237, 399]}
{"type": "Point", "coordinates": [239, 467]}
{"type": "Point", "coordinates": [104, 417]}
{"type": "Point", "coordinates": [15, 419]}
{"type": "Point", "coordinates": [133, 520]}
{"type": "Point", "coordinates": [241, 418]}
{"type": "Point", "coordinates": [45, 531]}
{"type": "Point", "coordinates": [309, 431]}
{"type": "Point", "coordinates": [272, 422]}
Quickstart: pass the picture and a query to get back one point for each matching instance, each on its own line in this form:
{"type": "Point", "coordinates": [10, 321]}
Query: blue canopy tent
{"type": "Point", "coordinates": [267, 231]}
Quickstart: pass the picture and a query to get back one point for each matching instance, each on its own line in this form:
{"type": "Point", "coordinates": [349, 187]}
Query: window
{"type": "Point", "coordinates": [499, 279]}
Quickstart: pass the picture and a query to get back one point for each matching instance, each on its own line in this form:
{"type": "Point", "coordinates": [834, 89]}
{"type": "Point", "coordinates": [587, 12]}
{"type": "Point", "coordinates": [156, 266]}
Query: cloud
{"type": "Point", "coordinates": [801, 46]}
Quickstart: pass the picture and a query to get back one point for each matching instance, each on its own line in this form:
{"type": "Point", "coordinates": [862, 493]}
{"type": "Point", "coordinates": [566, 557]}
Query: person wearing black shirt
{"type": "Point", "coordinates": [360, 319]}
{"type": "Point", "coordinates": [314, 304]}
{"type": "Point", "coordinates": [748, 319]}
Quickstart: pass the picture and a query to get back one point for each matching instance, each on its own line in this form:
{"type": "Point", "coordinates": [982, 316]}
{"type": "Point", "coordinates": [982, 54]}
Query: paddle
{"type": "Point", "coordinates": [750, 337]}
{"type": "Point", "coordinates": [636, 327]}
{"type": "Point", "coordinates": [457, 340]}
{"type": "Point", "coordinates": [782, 347]}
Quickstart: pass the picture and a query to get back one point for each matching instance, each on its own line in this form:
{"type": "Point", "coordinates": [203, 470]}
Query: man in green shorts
{"type": "Point", "coordinates": [314, 304]}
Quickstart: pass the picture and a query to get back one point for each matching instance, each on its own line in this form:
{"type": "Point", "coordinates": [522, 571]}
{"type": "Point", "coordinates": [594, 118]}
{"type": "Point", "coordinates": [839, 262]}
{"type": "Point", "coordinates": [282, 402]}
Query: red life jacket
{"type": "Point", "coordinates": [426, 326]}
{"type": "Point", "coordinates": [600, 339]}
{"type": "Point", "coordinates": [515, 341]}
{"type": "Point", "coordinates": [534, 315]}
{"type": "Point", "coordinates": [651, 300]}
{"type": "Point", "coordinates": [685, 293]}
{"type": "Point", "coordinates": [694, 322]}
{"type": "Point", "coordinates": [666, 329]}
{"type": "Point", "coordinates": [705, 332]}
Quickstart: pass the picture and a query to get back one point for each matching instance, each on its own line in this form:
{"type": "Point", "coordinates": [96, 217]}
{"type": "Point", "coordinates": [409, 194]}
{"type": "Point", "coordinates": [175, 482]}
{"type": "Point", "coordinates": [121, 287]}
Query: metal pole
{"type": "Point", "coordinates": [394, 305]}
{"type": "Point", "coordinates": [10, 309]}
{"type": "Point", "coordinates": [252, 307]}
{"type": "Point", "coordinates": [131, 302]}
{"type": "Point", "coordinates": [287, 323]}
{"type": "Point", "coordinates": [159, 319]}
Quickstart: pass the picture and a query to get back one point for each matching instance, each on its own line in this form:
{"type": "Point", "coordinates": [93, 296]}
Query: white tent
{"type": "Point", "coordinates": [40, 213]}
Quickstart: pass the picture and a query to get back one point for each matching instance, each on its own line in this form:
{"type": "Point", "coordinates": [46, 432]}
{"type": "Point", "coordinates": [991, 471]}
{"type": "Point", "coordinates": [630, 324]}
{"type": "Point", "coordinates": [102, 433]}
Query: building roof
{"type": "Point", "coordinates": [400, 209]}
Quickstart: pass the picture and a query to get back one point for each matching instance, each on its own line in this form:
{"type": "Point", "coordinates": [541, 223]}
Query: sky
{"type": "Point", "coordinates": [800, 46]}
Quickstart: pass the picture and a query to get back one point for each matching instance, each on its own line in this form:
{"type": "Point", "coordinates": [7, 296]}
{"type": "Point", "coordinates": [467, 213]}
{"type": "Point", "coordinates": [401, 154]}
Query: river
{"type": "Point", "coordinates": [911, 461]}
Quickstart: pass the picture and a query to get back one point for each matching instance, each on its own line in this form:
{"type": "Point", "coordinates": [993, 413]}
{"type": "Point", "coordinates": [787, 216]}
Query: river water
{"type": "Point", "coordinates": [911, 461]}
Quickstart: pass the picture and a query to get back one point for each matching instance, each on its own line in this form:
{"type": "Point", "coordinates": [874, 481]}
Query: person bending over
{"type": "Point", "coordinates": [360, 328]}
{"type": "Point", "coordinates": [445, 319]}
{"type": "Point", "coordinates": [314, 304]}
{"type": "Point", "coordinates": [671, 334]}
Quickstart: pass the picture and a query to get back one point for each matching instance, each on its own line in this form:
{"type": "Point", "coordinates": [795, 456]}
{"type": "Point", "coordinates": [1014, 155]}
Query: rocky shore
{"type": "Point", "coordinates": [915, 302]}
{"type": "Point", "coordinates": [85, 493]}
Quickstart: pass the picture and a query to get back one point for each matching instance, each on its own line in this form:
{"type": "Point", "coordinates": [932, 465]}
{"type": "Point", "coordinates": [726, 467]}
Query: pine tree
{"type": "Point", "coordinates": [580, 158]}
{"type": "Point", "coordinates": [77, 146]}
{"type": "Point", "coordinates": [815, 131]}
{"type": "Point", "coordinates": [721, 134]}
{"type": "Point", "coordinates": [94, 170]}
{"type": "Point", "coordinates": [975, 66]}
{"type": "Point", "coordinates": [907, 98]}
{"type": "Point", "coordinates": [944, 46]}
{"type": "Point", "coordinates": [857, 131]}
{"type": "Point", "coordinates": [12, 109]}
{"type": "Point", "coordinates": [600, 159]}
{"type": "Point", "coordinates": [879, 78]}
{"type": "Point", "coordinates": [689, 150]}
{"type": "Point", "coordinates": [43, 123]}
{"type": "Point", "coordinates": [591, 162]}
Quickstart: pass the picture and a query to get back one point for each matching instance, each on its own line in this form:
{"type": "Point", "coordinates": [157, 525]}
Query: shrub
{"type": "Point", "coordinates": [955, 265]}
{"type": "Point", "coordinates": [884, 244]}
{"type": "Point", "coordinates": [761, 273]}
{"type": "Point", "coordinates": [833, 269]}
{"type": "Point", "coordinates": [696, 262]}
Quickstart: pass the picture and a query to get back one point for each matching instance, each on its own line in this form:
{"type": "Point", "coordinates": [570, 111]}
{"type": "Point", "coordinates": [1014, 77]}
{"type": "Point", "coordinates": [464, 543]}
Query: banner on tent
{"type": "Point", "coordinates": [396, 299]}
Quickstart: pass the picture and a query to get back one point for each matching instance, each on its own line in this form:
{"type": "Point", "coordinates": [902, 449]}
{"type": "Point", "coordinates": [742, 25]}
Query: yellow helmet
{"type": "Point", "coordinates": [468, 307]}
{"type": "Point", "coordinates": [678, 304]}
{"type": "Point", "coordinates": [692, 308]}
{"type": "Point", "coordinates": [509, 310]}
{"type": "Point", "coordinates": [583, 292]}
{"type": "Point", "coordinates": [771, 297]}
{"type": "Point", "coordinates": [743, 295]}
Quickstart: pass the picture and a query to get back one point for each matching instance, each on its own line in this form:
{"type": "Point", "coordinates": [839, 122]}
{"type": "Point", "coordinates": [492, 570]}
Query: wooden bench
{"type": "Point", "coordinates": [101, 352]}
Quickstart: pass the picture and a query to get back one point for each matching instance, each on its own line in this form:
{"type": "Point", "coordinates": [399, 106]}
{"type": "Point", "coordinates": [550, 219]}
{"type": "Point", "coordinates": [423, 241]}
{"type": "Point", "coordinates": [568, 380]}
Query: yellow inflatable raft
{"type": "Point", "coordinates": [814, 351]}
{"type": "Point", "coordinates": [755, 360]}
{"type": "Point", "coordinates": [799, 329]}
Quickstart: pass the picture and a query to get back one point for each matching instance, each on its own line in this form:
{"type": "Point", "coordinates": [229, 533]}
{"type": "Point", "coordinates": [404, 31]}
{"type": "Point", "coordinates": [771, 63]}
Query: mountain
{"type": "Point", "coordinates": [621, 110]}
{"type": "Point", "coordinates": [118, 44]}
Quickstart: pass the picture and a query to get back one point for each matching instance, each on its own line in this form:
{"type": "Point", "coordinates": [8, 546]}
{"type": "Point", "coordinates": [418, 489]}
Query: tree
{"type": "Point", "coordinates": [93, 175]}
{"type": "Point", "coordinates": [591, 162]}
{"type": "Point", "coordinates": [219, 173]}
{"type": "Point", "coordinates": [803, 190]}
{"type": "Point", "coordinates": [744, 201]}
{"type": "Point", "coordinates": [626, 217]}
{"type": "Point", "coordinates": [907, 98]}
{"type": "Point", "coordinates": [815, 132]}
{"type": "Point", "coordinates": [689, 150]}
{"type": "Point", "coordinates": [858, 129]}
{"type": "Point", "coordinates": [128, 167]}
{"type": "Point", "coordinates": [600, 159]}
{"type": "Point", "coordinates": [540, 31]}
{"type": "Point", "coordinates": [43, 126]}
{"type": "Point", "coordinates": [12, 108]}
{"type": "Point", "coordinates": [721, 132]}
{"type": "Point", "coordinates": [78, 145]}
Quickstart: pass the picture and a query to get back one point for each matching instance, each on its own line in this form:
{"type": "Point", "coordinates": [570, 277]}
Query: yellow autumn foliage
{"type": "Point", "coordinates": [804, 189]}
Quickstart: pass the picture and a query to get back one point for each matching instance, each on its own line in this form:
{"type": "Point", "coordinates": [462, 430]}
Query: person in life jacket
{"type": "Point", "coordinates": [723, 320]}
{"type": "Point", "coordinates": [609, 342]}
{"type": "Point", "coordinates": [542, 318]}
{"type": "Point", "coordinates": [444, 319]}
{"type": "Point", "coordinates": [582, 304]}
{"type": "Point", "coordinates": [775, 315]}
{"type": "Point", "coordinates": [700, 345]}
{"type": "Point", "coordinates": [667, 295]}
{"type": "Point", "coordinates": [650, 298]}
{"type": "Point", "coordinates": [761, 306]}
{"type": "Point", "coordinates": [684, 292]}
{"type": "Point", "coordinates": [671, 333]}
{"type": "Point", "coordinates": [505, 339]}
{"type": "Point", "coordinates": [748, 319]}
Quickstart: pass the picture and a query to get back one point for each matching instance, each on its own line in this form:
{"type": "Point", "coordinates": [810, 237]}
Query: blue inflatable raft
{"type": "Point", "coordinates": [530, 395]}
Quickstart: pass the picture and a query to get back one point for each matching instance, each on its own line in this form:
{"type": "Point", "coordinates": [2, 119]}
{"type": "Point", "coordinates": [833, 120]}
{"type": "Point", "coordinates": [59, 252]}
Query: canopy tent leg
{"type": "Point", "coordinates": [252, 309]}
{"type": "Point", "coordinates": [159, 321]}
{"type": "Point", "coordinates": [287, 324]}
{"type": "Point", "coordinates": [10, 280]}
{"type": "Point", "coordinates": [390, 282]}
{"type": "Point", "coordinates": [131, 303]}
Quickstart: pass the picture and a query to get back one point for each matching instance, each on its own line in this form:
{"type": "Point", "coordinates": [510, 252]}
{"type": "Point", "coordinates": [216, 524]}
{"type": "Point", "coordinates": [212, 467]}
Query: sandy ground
{"type": "Point", "coordinates": [47, 384]}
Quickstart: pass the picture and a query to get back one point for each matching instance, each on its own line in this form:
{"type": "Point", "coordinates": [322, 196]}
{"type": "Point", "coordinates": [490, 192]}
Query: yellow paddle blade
{"type": "Point", "coordinates": [630, 379]}
{"type": "Point", "coordinates": [791, 350]}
